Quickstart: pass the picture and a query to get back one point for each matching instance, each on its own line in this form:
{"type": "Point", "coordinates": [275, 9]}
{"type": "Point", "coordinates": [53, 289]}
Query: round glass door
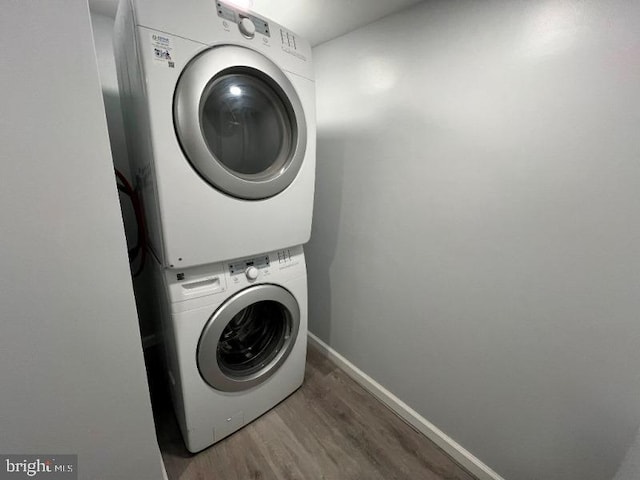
{"type": "Point", "coordinates": [240, 122]}
{"type": "Point", "coordinates": [247, 339]}
{"type": "Point", "coordinates": [246, 125]}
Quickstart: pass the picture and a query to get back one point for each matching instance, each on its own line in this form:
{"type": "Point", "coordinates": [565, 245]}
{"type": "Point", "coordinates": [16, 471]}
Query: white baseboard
{"type": "Point", "coordinates": [413, 418]}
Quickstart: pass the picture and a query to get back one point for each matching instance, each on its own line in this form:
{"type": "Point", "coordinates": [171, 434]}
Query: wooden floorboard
{"type": "Point", "coordinates": [331, 428]}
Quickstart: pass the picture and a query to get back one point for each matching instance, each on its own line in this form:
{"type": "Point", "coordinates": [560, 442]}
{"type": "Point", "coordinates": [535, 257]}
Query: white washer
{"type": "Point", "coordinates": [219, 113]}
{"type": "Point", "coordinates": [236, 337]}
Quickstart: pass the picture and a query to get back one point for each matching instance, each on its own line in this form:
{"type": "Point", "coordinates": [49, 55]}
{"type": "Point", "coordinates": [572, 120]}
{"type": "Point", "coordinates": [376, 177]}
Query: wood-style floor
{"type": "Point", "coordinates": [331, 428]}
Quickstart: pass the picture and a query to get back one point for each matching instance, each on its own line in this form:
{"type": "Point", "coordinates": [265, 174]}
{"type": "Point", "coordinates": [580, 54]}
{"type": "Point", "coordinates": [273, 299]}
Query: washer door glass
{"type": "Point", "coordinates": [247, 339]}
{"type": "Point", "coordinates": [240, 122]}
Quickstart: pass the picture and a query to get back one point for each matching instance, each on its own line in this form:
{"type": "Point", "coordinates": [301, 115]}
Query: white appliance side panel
{"type": "Point", "coordinates": [200, 224]}
{"type": "Point", "coordinates": [136, 121]}
{"type": "Point", "coordinates": [174, 373]}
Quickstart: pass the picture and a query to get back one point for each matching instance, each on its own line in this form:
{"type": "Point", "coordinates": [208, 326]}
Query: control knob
{"type": "Point", "coordinates": [247, 27]}
{"type": "Point", "coordinates": [251, 273]}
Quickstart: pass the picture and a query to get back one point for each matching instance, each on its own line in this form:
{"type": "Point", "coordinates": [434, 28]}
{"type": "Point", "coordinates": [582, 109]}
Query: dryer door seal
{"type": "Point", "coordinates": [248, 338]}
{"type": "Point", "coordinates": [240, 122]}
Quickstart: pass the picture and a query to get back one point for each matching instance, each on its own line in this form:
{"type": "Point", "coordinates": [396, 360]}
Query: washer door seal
{"type": "Point", "coordinates": [240, 122]}
{"type": "Point", "coordinates": [248, 338]}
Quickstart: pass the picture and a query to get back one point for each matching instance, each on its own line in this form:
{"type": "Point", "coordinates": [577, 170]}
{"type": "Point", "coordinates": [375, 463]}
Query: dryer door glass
{"type": "Point", "coordinates": [247, 125]}
{"type": "Point", "coordinates": [240, 122]}
{"type": "Point", "coordinates": [248, 338]}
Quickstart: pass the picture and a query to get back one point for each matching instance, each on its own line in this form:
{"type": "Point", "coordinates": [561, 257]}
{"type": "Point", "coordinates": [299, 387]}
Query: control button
{"type": "Point", "coordinates": [247, 27]}
{"type": "Point", "coordinates": [251, 273]}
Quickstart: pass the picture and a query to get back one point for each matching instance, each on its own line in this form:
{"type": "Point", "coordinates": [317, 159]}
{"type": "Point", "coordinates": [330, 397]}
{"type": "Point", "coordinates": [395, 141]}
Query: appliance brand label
{"type": "Point", "coordinates": [162, 49]}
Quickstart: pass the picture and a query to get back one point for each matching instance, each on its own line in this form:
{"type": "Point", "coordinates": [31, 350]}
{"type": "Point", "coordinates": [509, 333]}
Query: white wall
{"type": "Point", "coordinates": [476, 242]}
{"type": "Point", "coordinates": [71, 366]}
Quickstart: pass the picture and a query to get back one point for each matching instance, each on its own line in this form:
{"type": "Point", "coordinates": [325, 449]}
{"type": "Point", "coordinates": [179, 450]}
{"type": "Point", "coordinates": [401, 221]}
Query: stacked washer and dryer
{"type": "Point", "coordinates": [219, 113]}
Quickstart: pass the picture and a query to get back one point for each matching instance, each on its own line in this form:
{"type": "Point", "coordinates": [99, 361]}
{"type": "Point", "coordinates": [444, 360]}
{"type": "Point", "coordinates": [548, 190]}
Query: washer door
{"type": "Point", "coordinates": [247, 339]}
{"type": "Point", "coordinates": [240, 122]}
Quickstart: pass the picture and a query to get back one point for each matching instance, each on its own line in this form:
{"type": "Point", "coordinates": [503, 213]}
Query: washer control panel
{"type": "Point", "coordinates": [277, 266]}
{"type": "Point", "coordinates": [248, 24]}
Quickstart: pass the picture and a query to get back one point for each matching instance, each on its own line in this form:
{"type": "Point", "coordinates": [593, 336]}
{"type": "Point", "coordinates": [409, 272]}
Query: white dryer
{"type": "Point", "coordinates": [219, 114]}
{"type": "Point", "coordinates": [236, 337]}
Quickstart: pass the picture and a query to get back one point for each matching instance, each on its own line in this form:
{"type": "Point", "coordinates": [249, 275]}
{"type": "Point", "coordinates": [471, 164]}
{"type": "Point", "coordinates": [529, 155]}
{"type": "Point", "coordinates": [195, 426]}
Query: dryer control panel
{"type": "Point", "coordinates": [248, 23]}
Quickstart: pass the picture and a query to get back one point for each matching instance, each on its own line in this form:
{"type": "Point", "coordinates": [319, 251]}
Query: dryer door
{"type": "Point", "coordinates": [248, 338]}
{"type": "Point", "coordinates": [240, 122]}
